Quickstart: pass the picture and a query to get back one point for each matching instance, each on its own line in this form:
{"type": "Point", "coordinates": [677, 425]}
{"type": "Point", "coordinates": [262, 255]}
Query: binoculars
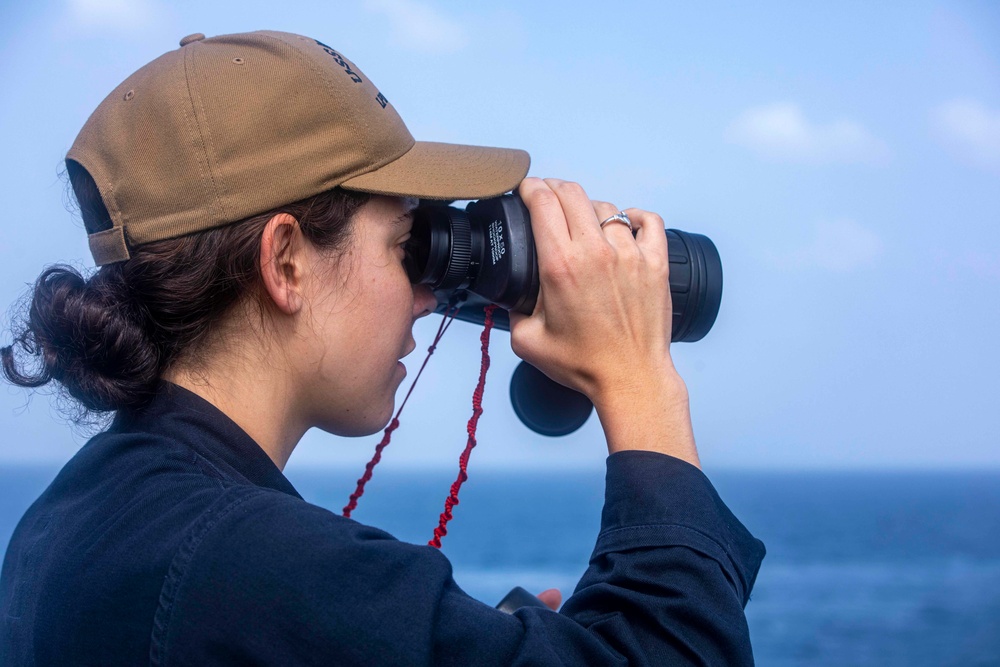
{"type": "Point", "coordinates": [486, 254]}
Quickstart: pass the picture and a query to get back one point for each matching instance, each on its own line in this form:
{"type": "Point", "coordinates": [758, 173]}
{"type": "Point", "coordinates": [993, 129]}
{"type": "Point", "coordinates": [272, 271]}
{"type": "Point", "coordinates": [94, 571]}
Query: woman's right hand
{"type": "Point", "coordinates": [602, 321]}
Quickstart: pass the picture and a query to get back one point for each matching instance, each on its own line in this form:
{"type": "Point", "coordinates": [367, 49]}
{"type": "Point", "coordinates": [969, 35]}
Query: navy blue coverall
{"type": "Point", "coordinates": [173, 539]}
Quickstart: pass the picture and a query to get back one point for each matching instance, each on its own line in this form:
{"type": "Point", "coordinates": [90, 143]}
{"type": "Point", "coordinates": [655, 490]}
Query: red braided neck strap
{"type": "Point", "coordinates": [477, 409]}
{"type": "Point", "coordinates": [446, 320]}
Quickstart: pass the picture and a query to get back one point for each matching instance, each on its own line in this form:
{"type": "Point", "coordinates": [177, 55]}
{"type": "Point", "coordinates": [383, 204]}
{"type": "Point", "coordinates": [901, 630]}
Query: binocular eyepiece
{"type": "Point", "coordinates": [486, 253]}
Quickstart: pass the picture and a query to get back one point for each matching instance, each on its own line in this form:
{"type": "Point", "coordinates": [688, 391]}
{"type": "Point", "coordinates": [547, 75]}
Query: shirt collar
{"type": "Point", "coordinates": [209, 431]}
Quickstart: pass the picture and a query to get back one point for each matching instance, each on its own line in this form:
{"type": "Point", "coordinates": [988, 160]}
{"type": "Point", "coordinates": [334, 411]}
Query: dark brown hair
{"type": "Point", "coordinates": [108, 338]}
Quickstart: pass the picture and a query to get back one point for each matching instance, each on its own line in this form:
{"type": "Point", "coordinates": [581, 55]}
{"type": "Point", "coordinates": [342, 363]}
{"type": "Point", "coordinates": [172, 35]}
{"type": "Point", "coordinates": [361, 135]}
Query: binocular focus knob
{"type": "Point", "coordinates": [545, 406]}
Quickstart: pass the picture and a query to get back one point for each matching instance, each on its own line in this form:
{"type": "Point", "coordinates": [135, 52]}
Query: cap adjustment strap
{"type": "Point", "coordinates": [109, 246]}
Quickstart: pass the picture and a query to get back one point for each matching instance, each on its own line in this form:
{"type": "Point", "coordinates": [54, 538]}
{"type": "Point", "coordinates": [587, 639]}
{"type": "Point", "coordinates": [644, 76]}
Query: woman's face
{"type": "Point", "coordinates": [360, 309]}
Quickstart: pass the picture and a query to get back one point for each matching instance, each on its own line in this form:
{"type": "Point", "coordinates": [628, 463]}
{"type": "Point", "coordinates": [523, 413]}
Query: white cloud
{"type": "Point", "coordinates": [838, 245]}
{"type": "Point", "coordinates": [420, 27]}
{"type": "Point", "coordinates": [120, 14]}
{"type": "Point", "coordinates": [781, 131]}
{"type": "Point", "coordinates": [969, 130]}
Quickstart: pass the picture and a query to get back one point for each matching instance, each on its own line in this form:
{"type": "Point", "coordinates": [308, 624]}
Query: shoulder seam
{"type": "Point", "coordinates": [178, 571]}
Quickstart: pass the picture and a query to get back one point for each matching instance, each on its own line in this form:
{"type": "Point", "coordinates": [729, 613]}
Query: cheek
{"type": "Point", "coordinates": [388, 306]}
{"type": "Point", "coordinates": [394, 294]}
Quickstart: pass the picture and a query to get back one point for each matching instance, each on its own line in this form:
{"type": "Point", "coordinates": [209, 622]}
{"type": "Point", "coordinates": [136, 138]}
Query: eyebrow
{"type": "Point", "coordinates": [405, 217]}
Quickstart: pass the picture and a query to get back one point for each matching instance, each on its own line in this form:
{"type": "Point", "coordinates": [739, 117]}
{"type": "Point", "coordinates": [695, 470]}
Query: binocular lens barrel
{"type": "Point", "coordinates": [695, 284]}
{"type": "Point", "coordinates": [488, 250]}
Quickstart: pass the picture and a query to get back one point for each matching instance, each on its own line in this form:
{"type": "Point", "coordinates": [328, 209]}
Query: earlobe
{"type": "Point", "coordinates": [281, 262]}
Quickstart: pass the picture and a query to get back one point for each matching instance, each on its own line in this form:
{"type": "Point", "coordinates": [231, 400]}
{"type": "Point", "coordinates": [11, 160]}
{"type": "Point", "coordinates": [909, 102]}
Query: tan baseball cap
{"type": "Point", "coordinates": [227, 127]}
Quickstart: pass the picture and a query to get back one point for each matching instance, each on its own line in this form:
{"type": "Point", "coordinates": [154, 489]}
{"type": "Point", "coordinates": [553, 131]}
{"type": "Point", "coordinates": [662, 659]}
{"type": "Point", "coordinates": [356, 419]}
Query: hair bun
{"type": "Point", "coordinates": [85, 335]}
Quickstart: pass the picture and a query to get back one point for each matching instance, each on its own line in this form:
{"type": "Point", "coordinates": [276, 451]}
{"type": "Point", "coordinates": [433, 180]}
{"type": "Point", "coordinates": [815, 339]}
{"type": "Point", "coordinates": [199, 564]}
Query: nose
{"type": "Point", "coordinates": [424, 301]}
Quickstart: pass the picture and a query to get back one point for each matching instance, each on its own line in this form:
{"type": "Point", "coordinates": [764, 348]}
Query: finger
{"type": "Point", "coordinates": [552, 598]}
{"type": "Point", "coordinates": [525, 327]}
{"type": "Point", "coordinates": [580, 217]}
{"type": "Point", "coordinates": [516, 318]}
{"type": "Point", "coordinates": [616, 232]}
{"type": "Point", "coordinates": [604, 210]}
{"type": "Point", "coordinates": [649, 234]}
{"type": "Point", "coordinates": [548, 224]}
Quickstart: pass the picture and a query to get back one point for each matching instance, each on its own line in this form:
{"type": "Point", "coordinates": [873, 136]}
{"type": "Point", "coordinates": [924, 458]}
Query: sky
{"type": "Point", "coordinates": [844, 158]}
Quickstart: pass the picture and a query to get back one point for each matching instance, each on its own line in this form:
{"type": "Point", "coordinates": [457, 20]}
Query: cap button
{"type": "Point", "coordinates": [196, 37]}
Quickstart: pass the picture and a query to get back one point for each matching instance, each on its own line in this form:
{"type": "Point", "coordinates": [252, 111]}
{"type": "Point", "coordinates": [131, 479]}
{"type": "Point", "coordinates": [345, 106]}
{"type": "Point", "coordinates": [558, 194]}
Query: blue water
{"type": "Point", "coordinates": [878, 569]}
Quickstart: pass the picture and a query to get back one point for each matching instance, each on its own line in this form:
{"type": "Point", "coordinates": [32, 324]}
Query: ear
{"type": "Point", "coordinates": [282, 262]}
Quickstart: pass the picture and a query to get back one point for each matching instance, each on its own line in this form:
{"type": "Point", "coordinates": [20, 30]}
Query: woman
{"type": "Point", "coordinates": [248, 200]}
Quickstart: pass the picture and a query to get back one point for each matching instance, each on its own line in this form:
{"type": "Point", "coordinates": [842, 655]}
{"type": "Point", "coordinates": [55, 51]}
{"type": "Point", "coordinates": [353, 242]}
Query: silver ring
{"type": "Point", "coordinates": [620, 216]}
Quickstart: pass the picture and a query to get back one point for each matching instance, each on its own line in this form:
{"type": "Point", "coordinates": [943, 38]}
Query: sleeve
{"type": "Point", "coordinates": [275, 580]}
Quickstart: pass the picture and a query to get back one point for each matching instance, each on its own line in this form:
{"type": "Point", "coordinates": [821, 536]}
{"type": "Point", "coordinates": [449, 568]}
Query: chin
{"type": "Point", "coordinates": [361, 425]}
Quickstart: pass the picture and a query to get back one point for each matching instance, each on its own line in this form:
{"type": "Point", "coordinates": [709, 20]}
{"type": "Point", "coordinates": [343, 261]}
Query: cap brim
{"type": "Point", "coordinates": [433, 170]}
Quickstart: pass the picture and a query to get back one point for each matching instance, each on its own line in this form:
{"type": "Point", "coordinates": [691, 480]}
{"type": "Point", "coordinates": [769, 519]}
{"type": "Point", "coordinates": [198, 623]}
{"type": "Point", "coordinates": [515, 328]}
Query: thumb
{"type": "Point", "coordinates": [516, 317]}
{"type": "Point", "coordinates": [552, 598]}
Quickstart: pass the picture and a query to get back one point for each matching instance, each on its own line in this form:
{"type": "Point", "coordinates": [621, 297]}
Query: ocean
{"type": "Point", "coordinates": [863, 568]}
